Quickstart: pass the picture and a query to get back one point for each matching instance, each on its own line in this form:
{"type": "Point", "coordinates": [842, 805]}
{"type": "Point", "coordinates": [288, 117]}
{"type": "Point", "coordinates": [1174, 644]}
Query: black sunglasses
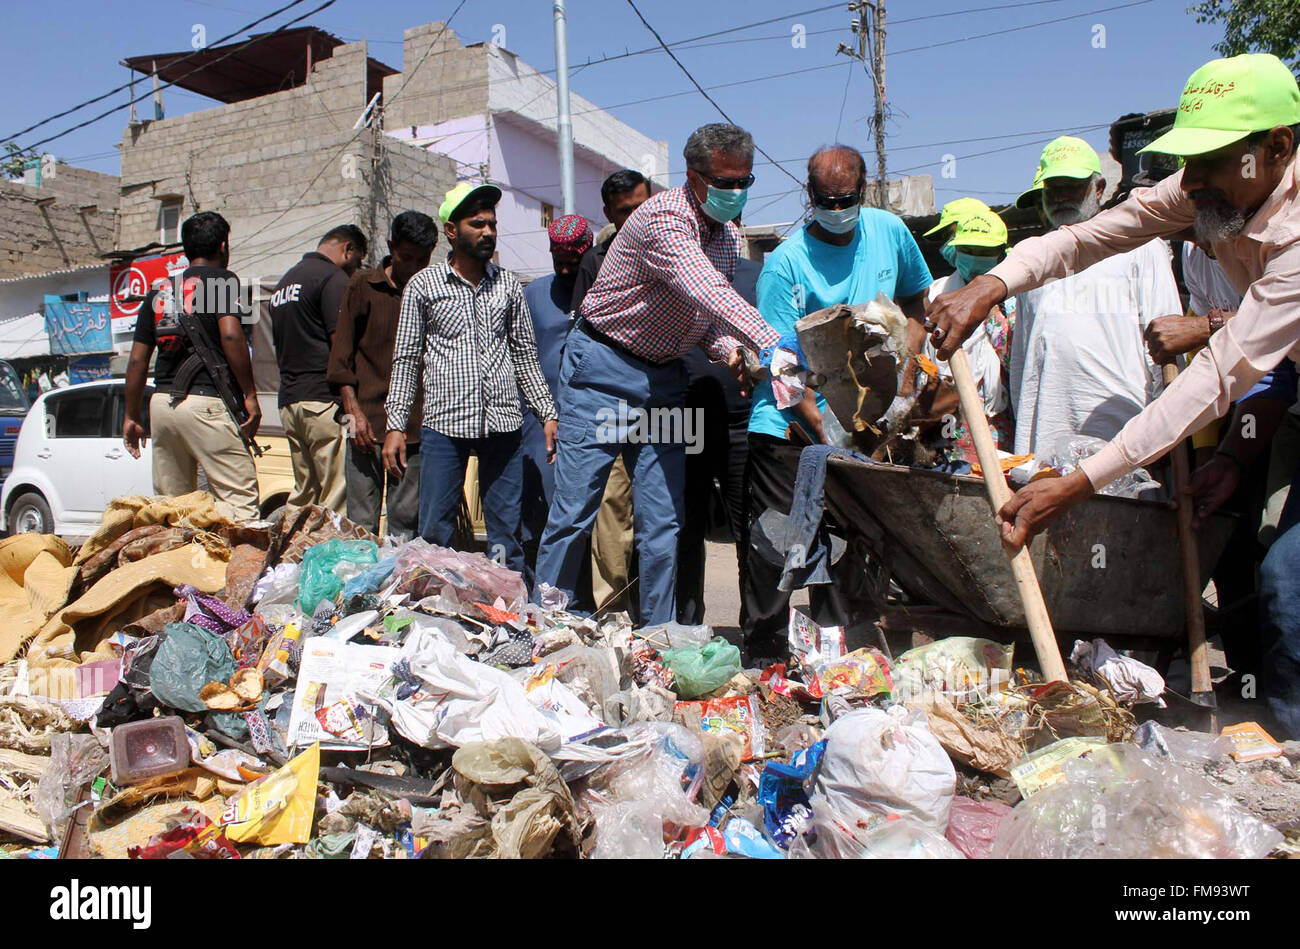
{"type": "Point", "coordinates": [728, 184]}
{"type": "Point", "coordinates": [836, 202]}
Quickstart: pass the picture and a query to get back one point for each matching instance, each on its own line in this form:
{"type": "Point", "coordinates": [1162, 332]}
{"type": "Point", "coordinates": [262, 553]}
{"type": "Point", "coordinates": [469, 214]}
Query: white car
{"type": "Point", "coordinates": [69, 461]}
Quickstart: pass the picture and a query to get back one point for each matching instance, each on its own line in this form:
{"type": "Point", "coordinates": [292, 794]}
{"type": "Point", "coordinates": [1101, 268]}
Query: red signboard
{"type": "Point", "coordinates": [129, 283]}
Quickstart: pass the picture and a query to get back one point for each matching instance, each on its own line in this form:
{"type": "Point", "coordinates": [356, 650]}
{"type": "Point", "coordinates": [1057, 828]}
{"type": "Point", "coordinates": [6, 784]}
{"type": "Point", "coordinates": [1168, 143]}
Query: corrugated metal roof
{"type": "Point", "coordinates": [84, 268]}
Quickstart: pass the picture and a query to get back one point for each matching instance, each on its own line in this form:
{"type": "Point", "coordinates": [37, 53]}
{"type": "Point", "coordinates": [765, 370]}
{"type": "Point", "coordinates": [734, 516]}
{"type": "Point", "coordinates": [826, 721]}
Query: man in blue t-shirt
{"type": "Point", "coordinates": [846, 254]}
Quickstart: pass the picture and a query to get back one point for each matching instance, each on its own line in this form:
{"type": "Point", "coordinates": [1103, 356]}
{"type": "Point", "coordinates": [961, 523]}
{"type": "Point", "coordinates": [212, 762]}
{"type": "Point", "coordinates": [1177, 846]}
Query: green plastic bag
{"type": "Point", "coordinates": [318, 580]}
{"type": "Point", "coordinates": [698, 670]}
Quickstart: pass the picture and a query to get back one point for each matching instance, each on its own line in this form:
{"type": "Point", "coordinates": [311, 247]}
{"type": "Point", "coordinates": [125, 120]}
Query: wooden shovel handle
{"type": "Point", "coordinates": [1022, 567]}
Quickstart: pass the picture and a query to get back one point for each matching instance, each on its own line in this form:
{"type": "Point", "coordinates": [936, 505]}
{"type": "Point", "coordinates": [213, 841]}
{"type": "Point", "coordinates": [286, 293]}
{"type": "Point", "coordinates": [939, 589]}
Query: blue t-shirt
{"type": "Point", "coordinates": [804, 275]}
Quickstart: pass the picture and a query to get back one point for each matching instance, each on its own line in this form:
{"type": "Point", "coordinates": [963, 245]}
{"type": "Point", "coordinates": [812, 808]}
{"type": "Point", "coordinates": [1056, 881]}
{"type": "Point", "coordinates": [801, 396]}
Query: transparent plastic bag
{"type": "Point", "coordinates": [320, 578]}
{"type": "Point", "coordinates": [427, 570]}
{"type": "Point", "coordinates": [650, 798]}
{"type": "Point", "coordinates": [1120, 802]}
{"type": "Point", "coordinates": [698, 670]}
{"type": "Point", "coordinates": [75, 761]}
{"type": "Point", "coordinates": [1067, 452]}
{"type": "Point", "coordinates": [828, 836]}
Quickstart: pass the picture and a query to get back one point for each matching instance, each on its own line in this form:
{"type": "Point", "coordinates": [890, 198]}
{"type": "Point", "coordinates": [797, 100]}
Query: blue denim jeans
{"type": "Point", "coordinates": [500, 477]}
{"type": "Point", "coordinates": [599, 386]}
{"type": "Point", "coordinates": [1279, 598]}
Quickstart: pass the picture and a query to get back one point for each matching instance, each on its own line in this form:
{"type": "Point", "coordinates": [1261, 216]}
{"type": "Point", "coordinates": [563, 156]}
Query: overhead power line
{"type": "Point", "coordinates": [146, 95]}
{"type": "Point", "coordinates": [127, 85]}
{"type": "Point", "coordinates": [710, 99]}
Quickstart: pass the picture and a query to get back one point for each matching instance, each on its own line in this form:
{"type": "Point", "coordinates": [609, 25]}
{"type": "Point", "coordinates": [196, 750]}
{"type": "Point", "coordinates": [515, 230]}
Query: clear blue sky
{"type": "Point", "coordinates": [1011, 91]}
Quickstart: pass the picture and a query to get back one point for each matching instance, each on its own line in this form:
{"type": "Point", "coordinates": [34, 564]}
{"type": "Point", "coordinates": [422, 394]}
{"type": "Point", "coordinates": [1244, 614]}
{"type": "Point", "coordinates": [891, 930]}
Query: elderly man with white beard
{"type": "Point", "coordinates": [1079, 362]}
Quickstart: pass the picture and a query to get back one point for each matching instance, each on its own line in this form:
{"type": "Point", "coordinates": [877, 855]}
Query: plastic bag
{"type": "Point", "coordinates": [370, 579]}
{"type": "Point", "coordinates": [1069, 450]}
{"type": "Point", "coordinates": [962, 668]}
{"type": "Point", "coordinates": [277, 587]}
{"type": "Point", "coordinates": [650, 798]}
{"type": "Point", "coordinates": [75, 761]}
{"type": "Point", "coordinates": [885, 763]}
{"type": "Point", "coordinates": [1192, 747]}
{"type": "Point", "coordinates": [188, 658]}
{"type": "Point", "coordinates": [786, 808]}
{"type": "Point", "coordinates": [699, 670]}
{"type": "Point", "coordinates": [276, 809]}
{"type": "Point", "coordinates": [319, 579]}
{"type": "Point", "coordinates": [829, 836]}
{"type": "Point", "coordinates": [676, 636]}
{"type": "Point", "coordinates": [425, 570]}
{"type": "Point", "coordinates": [1119, 802]}
{"type": "Point", "coordinates": [973, 825]}
{"type": "Point", "coordinates": [527, 824]}
{"type": "Point", "coordinates": [439, 698]}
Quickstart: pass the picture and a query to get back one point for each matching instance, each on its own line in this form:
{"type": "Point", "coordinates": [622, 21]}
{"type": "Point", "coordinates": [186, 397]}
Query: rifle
{"type": "Point", "coordinates": [207, 356]}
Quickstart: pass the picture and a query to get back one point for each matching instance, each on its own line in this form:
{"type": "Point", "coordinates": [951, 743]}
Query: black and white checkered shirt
{"type": "Point", "coordinates": [477, 350]}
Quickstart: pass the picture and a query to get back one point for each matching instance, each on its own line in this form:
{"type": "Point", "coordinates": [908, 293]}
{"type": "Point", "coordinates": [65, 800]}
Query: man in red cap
{"type": "Point", "coordinates": [548, 301]}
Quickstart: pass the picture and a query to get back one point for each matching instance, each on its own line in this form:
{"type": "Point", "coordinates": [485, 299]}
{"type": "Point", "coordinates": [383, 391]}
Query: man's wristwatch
{"type": "Point", "coordinates": [1216, 320]}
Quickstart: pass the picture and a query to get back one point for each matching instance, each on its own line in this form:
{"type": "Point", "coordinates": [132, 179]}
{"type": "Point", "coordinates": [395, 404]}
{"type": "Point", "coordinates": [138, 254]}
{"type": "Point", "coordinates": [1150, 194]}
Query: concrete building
{"type": "Point", "coordinates": [56, 219]}
{"type": "Point", "coordinates": [282, 167]}
{"type": "Point", "coordinates": [495, 117]}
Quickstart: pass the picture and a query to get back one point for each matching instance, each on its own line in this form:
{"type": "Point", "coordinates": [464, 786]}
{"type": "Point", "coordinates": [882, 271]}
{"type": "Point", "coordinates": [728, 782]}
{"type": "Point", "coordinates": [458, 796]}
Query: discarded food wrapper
{"type": "Point", "coordinates": [863, 672]}
{"type": "Point", "coordinates": [278, 808]}
{"type": "Point", "coordinates": [193, 834]}
{"type": "Point", "coordinates": [739, 839]}
{"type": "Point", "coordinates": [811, 643]}
{"type": "Point", "coordinates": [1042, 769]}
{"type": "Point", "coordinates": [1250, 742]}
{"type": "Point", "coordinates": [781, 792]}
{"type": "Point", "coordinates": [274, 664]}
{"type": "Point", "coordinates": [739, 714]}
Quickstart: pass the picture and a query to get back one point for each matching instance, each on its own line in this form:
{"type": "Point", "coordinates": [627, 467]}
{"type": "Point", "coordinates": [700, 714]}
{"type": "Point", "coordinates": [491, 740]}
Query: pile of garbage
{"type": "Point", "coordinates": [185, 686]}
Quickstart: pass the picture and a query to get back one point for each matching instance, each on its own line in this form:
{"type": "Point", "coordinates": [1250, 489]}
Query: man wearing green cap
{"type": "Point", "coordinates": [976, 242]}
{"type": "Point", "coordinates": [1236, 131]}
{"type": "Point", "coordinates": [465, 329]}
{"type": "Point", "coordinates": [1079, 361]}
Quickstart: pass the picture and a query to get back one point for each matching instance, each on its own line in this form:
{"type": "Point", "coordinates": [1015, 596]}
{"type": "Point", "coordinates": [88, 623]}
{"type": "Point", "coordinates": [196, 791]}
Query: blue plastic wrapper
{"type": "Point", "coordinates": [782, 795]}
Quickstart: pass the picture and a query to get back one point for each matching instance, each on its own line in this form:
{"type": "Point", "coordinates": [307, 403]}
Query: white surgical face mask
{"type": "Point", "coordinates": [837, 222]}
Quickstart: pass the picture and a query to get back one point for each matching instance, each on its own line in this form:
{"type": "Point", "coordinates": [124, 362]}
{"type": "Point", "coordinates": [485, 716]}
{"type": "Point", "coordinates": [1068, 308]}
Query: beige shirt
{"type": "Point", "coordinates": [1263, 261]}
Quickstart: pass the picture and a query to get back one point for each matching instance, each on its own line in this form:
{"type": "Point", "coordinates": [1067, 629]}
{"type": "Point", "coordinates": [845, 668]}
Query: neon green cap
{"type": "Point", "coordinates": [460, 194]}
{"type": "Point", "coordinates": [1064, 157]}
{"type": "Point", "coordinates": [980, 229]}
{"type": "Point", "coordinates": [954, 210]}
{"type": "Point", "coordinates": [1227, 99]}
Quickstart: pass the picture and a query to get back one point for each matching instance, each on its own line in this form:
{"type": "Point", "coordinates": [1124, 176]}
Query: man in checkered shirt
{"type": "Point", "coordinates": [664, 289]}
{"type": "Point", "coordinates": [465, 326]}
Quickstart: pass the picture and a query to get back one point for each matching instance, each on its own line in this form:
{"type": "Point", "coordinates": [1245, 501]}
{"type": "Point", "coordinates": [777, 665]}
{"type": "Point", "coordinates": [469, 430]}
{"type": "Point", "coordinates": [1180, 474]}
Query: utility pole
{"type": "Point", "coordinates": [564, 124]}
{"type": "Point", "coordinates": [873, 30]}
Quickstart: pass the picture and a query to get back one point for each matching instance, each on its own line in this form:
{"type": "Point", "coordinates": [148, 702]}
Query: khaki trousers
{"type": "Point", "coordinates": [199, 431]}
{"type": "Point", "coordinates": [611, 544]}
{"type": "Point", "coordinates": [317, 444]}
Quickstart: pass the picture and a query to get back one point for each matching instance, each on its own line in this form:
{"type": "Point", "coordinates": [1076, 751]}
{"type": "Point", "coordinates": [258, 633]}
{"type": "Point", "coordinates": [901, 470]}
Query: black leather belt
{"type": "Point", "coordinates": [615, 345]}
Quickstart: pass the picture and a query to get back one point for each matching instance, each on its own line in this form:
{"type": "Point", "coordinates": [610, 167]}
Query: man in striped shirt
{"type": "Point", "coordinates": [465, 326]}
{"type": "Point", "coordinates": [663, 289]}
